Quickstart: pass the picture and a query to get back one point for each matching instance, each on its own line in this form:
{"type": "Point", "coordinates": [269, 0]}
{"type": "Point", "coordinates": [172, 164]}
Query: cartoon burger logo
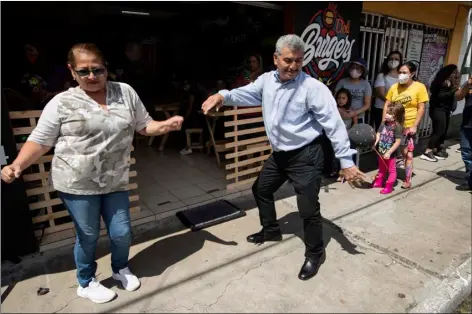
{"type": "Point", "coordinates": [327, 45]}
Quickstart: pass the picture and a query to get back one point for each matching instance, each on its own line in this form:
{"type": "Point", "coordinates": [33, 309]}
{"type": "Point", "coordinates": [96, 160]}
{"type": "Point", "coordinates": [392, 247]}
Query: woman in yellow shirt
{"type": "Point", "coordinates": [413, 96]}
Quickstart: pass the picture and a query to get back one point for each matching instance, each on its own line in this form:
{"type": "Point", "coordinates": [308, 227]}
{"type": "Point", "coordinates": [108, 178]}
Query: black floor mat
{"type": "Point", "coordinates": [204, 216]}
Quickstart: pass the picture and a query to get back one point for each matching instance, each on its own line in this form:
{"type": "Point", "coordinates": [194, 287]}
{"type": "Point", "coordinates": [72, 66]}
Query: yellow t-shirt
{"type": "Point", "coordinates": [409, 97]}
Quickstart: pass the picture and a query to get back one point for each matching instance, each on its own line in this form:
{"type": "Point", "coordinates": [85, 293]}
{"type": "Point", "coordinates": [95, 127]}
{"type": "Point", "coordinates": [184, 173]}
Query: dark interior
{"type": "Point", "coordinates": [200, 40]}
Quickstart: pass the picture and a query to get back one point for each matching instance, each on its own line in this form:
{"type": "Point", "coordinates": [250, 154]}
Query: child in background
{"type": "Point", "coordinates": [343, 99]}
{"type": "Point", "coordinates": [388, 140]}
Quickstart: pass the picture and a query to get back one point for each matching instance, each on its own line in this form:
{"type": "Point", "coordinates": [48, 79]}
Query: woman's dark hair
{"type": "Point", "coordinates": [398, 111]}
{"type": "Point", "coordinates": [85, 47]}
{"type": "Point", "coordinates": [348, 94]}
{"type": "Point", "coordinates": [384, 68]}
{"type": "Point", "coordinates": [443, 75]}
{"type": "Point", "coordinates": [412, 67]}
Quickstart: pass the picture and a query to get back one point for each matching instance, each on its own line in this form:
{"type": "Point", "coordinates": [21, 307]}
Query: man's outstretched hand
{"type": "Point", "coordinates": [353, 176]}
{"type": "Point", "coordinates": [212, 102]}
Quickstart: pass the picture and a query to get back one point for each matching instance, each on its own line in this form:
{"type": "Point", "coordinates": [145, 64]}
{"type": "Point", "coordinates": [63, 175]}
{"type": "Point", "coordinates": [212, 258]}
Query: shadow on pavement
{"type": "Point", "coordinates": [455, 176]}
{"type": "Point", "coordinates": [168, 251]}
{"type": "Point", "coordinates": [155, 259]}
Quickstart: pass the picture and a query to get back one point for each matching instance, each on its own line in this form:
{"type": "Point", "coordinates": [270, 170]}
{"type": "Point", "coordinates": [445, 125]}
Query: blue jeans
{"type": "Point", "coordinates": [466, 152]}
{"type": "Point", "coordinates": [85, 211]}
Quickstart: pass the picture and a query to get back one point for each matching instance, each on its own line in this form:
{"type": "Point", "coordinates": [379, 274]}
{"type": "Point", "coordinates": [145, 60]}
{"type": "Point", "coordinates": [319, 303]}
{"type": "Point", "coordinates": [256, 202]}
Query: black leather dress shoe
{"type": "Point", "coordinates": [310, 267]}
{"type": "Point", "coordinates": [463, 188]}
{"type": "Point", "coordinates": [262, 237]}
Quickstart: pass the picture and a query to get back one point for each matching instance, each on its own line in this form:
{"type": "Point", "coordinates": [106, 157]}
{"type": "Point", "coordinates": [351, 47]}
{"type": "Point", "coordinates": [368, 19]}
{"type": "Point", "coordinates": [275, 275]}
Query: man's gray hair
{"type": "Point", "coordinates": [291, 41]}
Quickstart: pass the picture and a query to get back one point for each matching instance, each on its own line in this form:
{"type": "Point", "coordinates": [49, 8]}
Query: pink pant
{"type": "Point", "coordinates": [387, 166]}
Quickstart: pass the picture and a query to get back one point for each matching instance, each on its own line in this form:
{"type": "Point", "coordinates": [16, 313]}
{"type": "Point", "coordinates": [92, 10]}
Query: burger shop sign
{"type": "Point", "coordinates": [330, 37]}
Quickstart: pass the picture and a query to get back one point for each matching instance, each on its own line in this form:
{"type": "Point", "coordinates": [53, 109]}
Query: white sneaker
{"type": "Point", "coordinates": [96, 293]}
{"type": "Point", "coordinates": [129, 281]}
{"type": "Point", "coordinates": [186, 151]}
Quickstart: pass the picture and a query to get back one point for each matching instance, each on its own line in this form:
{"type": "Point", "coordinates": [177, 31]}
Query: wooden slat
{"type": "Point", "coordinates": [246, 162]}
{"type": "Point", "coordinates": [57, 228]}
{"type": "Point", "coordinates": [62, 213]}
{"type": "Point", "coordinates": [244, 132]}
{"type": "Point", "coordinates": [25, 114]}
{"type": "Point", "coordinates": [48, 158]}
{"type": "Point", "coordinates": [46, 203]}
{"type": "Point", "coordinates": [132, 186]}
{"type": "Point", "coordinates": [43, 159]}
{"type": "Point", "coordinates": [236, 148]}
{"type": "Point", "coordinates": [40, 190]}
{"type": "Point", "coordinates": [65, 213]}
{"type": "Point", "coordinates": [35, 176]}
{"type": "Point", "coordinates": [244, 182]}
{"type": "Point", "coordinates": [242, 122]}
{"type": "Point", "coordinates": [23, 131]}
{"type": "Point", "coordinates": [135, 209]}
{"type": "Point", "coordinates": [45, 175]}
{"type": "Point", "coordinates": [243, 173]}
{"type": "Point", "coordinates": [247, 142]}
{"type": "Point", "coordinates": [248, 151]}
{"type": "Point", "coordinates": [242, 111]}
{"type": "Point", "coordinates": [133, 198]}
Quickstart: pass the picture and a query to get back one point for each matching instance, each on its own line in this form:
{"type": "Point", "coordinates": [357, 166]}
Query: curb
{"type": "Point", "coordinates": [449, 294]}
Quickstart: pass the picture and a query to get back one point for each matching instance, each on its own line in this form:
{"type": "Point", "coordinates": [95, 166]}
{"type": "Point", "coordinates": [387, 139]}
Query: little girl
{"type": "Point", "coordinates": [343, 99]}
{"type": "Point", "coordinates": [388, 140]}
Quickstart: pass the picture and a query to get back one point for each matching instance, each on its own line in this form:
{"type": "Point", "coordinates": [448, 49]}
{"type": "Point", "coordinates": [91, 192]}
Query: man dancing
{"type": "Point", "coordinates": [296, 108]}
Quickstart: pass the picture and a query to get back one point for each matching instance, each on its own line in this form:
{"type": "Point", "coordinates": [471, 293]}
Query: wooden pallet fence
{"type": "Point", "coordinates": [249, 153]}
{"type": "Point", "coordinates": [51, 220]}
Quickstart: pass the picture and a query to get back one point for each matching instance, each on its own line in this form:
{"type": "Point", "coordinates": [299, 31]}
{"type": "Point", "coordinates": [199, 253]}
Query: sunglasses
{"type": "Point", "coordinates": [86, 72]}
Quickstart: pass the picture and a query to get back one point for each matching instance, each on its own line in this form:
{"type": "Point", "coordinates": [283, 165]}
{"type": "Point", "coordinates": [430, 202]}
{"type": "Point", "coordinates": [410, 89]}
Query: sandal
{"type": "Point", "coordinates": [406, 185]}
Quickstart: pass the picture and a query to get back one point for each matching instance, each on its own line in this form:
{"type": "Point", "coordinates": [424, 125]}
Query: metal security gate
{"type": "Point", "coordinates": [382, 34]}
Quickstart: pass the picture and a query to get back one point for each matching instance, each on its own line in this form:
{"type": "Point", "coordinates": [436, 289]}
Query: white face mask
{"type": "Point", "coordinates": [393, 64]}
{"type": "Point", "coordinates": [403, 78]}
{"type": "Point", "coordinates": [355, 73]}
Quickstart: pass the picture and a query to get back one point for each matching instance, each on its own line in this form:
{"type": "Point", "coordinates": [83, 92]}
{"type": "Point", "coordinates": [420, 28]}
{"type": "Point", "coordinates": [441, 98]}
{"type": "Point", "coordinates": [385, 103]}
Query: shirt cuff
{"type": "Point", "coordinates": [346, 162]}
{"type": "Point", "coordinates": [224, 93]}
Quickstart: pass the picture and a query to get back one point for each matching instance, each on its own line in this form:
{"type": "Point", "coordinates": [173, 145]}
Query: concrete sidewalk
{"type": "Point", "coordinates": [408, 251]}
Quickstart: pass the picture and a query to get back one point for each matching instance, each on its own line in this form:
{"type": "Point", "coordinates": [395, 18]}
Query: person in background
{"type": "Point", "coordinates": [192, 96]}
{"type": "Point", "coordinates": [385, 79]}
{"type": "Point", "coordinates": [253, 70]}
{"type": "Point", "coordinates": [219, 85]}
{"type": "Point", "coordinates": [92, 127]}
{"type": "Point", "coordinates": [133, 71]}
{"type": "Point", "coordinates": [359, 88]}
{"type": "Point", "coordinates": [33, 83]}
{"type": "Point", "coordinates": [388, 139]}
{"type": "Point", "coordinates": [466, 139]}
{"type": "Point", "coordinates": [249, 75]}
{"type": "Point", "coordinates": [445, 92]}
{"type": "Point", "coordinates": [343, 100]}
{"type": "Point", "coordinates": [413, 96]}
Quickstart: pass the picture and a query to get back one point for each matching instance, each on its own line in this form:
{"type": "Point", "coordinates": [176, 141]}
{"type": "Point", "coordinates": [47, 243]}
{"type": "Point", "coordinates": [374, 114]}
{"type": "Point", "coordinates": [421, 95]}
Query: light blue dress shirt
{"type": "Point", "coordinates": [295, 112]}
